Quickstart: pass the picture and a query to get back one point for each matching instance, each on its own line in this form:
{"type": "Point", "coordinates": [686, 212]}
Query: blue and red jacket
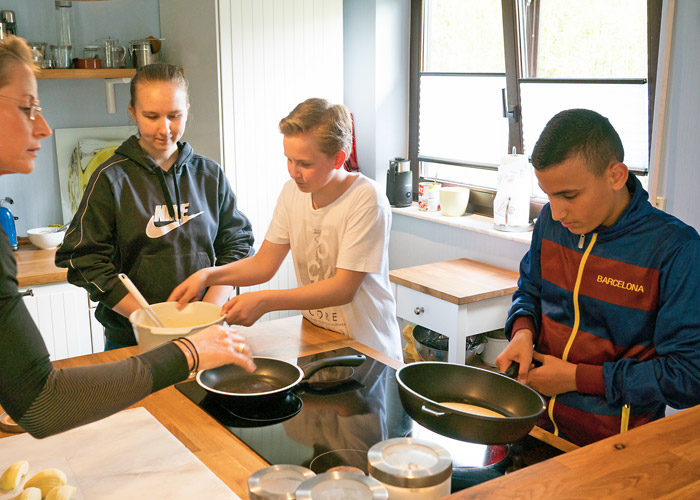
{"type": "Point", "coordinates": [623, 304]}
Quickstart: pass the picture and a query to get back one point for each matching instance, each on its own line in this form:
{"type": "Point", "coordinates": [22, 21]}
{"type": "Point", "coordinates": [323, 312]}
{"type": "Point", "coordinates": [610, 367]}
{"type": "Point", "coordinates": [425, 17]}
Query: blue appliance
{"type": "Point", "coordinates": [7, 220]}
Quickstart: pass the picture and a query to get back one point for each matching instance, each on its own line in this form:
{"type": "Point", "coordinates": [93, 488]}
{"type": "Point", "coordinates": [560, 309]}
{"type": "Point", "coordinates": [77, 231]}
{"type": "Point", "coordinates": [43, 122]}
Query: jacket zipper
{"type": "Point", "coordinates": [577, 317]}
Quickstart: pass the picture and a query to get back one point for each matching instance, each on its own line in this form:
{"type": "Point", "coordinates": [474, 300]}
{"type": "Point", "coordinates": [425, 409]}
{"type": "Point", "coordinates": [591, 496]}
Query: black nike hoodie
{"type": "Point", "coordinates": [157, 227]}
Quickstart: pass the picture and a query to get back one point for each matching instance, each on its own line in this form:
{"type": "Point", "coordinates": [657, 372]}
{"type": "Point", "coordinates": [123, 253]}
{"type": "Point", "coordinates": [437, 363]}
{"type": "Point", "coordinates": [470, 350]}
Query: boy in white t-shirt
{"type": "Point", "coordinates": [335, 223]}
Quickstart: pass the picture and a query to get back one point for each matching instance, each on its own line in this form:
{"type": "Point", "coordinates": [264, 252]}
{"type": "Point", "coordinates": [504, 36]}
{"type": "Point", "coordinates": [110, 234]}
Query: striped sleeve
{"type": "Point", "coordinates": [76, 396]}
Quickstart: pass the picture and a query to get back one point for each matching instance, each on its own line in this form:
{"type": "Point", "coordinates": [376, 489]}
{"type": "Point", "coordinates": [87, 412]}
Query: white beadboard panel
{"type": "Point", "coordinates": [274, 54]}
{"type": "Point", "coordinates": [62, 315]}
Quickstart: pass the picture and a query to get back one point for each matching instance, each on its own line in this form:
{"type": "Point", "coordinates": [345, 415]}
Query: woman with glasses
{"type": "Point", "coordinates": [44, 400]}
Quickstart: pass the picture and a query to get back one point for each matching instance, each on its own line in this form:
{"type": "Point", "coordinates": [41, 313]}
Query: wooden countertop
{"type": "Point", "coordinates": [659, 458]}
{"type": "Point", "coordinates": [459, 281]}
{"type": "Point", "coordinates": [36, 266]}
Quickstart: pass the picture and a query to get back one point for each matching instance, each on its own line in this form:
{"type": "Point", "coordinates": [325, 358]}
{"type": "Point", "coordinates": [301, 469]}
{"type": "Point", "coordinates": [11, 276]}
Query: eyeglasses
{"type": "Point", "coordinates": [30, 108]}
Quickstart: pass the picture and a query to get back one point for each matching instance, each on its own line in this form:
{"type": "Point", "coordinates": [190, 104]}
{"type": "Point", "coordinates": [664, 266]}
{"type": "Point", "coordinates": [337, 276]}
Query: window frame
{"type": "Point", "coordinates": [482, 197]}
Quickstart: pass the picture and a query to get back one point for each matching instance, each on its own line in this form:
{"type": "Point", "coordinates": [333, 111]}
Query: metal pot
{"type": "Point", "coordinates": [424, 385]}
{"type": "Point", "coordinates": [271, 381]}
{"type": "Point", "coordinates": [142, 52]}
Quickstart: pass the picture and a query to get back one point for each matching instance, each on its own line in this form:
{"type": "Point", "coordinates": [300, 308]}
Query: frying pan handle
{"type": "Point", "coordinates": [429, 411]}
{"type": "Point", "coordinates": [350, 360]}
{"type": "Point", "coordinates": [514, 368]}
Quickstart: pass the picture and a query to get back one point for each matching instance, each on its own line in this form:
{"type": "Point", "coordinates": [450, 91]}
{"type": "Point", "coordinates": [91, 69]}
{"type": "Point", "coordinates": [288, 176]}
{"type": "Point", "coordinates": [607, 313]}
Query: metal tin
{"type": "Point", "coordinates": [409, 463]}
{"type": "Point", "coordinates": [277, 482]}
{"type": "Point", "coordinates": [334, 485]}
{"type": "Point", "coordinates": [429, 196]}
{"type": "Point", "coordinates": [8, 19]}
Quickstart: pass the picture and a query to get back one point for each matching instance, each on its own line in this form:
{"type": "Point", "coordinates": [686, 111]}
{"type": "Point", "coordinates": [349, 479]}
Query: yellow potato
{"type": "Point", "coordinates": [29, 494]}
{"type": "Point", "coordinates": [12, 476]}
{"type": "Point", "coordinates": [61, 493]}
{"type": "Point", "coordinates": [46, 480]}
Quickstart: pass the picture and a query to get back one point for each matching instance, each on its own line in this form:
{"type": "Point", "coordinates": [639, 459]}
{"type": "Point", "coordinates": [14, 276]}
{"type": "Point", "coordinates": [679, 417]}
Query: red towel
{"type": "Point", "coordinates": [351, 162]}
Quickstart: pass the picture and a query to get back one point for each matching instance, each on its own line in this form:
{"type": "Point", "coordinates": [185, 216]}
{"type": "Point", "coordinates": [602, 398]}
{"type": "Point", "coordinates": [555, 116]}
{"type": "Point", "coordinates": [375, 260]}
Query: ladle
{"type": "Point", "coordinates": [140, 299]}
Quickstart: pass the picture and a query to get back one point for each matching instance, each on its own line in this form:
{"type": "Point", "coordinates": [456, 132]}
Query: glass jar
{"type": "Point", "coordinates": [91, 52]}
{"type": "Point", "coordinates": [38, 53]}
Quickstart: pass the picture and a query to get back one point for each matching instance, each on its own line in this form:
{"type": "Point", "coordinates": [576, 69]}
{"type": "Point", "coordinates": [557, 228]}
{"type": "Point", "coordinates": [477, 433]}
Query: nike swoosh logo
{"type": "Point", "coordinates": [153, 231]}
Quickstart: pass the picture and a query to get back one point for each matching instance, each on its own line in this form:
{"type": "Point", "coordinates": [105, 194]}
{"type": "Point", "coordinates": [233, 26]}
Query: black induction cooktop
{"type": "Point", "coordinates": [323, 428]}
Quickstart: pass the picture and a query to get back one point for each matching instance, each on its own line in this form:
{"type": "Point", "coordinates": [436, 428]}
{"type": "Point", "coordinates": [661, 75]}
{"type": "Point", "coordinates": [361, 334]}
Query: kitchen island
{"type": "Point", "coordinates": [657, 459]}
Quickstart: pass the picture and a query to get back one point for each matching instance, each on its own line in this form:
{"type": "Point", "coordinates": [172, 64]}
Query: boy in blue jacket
{"type": "Point", "coordinates": [607, 296]}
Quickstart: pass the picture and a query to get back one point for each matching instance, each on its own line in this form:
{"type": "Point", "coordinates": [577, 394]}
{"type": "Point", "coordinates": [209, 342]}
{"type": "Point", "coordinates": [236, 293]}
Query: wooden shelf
{"type": "Point", "coordinates": [86, 73]}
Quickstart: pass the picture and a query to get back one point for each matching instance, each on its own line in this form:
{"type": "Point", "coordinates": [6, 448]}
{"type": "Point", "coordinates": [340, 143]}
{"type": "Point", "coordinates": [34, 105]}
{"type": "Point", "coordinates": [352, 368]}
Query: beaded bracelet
{"type": "Point", "coordinates": [194, 349]}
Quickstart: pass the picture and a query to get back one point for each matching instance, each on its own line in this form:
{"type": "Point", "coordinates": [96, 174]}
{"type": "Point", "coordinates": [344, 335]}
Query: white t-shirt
{"type": "Point", "coordinates": [351, 233]}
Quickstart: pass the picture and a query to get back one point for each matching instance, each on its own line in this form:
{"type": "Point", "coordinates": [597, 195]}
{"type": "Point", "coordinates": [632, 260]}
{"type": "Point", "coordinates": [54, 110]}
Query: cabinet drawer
{"type": "Point", "coordinates": [428, 311]}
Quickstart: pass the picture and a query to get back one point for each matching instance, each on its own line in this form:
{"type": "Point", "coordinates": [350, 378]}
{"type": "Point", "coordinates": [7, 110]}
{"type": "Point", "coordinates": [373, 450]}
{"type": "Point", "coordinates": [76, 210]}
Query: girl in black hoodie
{"type": "Point", "coordinates": [155, 210]}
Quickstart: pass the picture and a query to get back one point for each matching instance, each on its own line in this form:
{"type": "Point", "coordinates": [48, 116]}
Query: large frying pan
{"type": "Point", "coordinates": [424, 385]}
{"type": "Point", "coordinates": [271, 381]}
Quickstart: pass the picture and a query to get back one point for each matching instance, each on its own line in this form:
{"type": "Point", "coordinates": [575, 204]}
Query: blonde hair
{"type": "Point", "coordinates": [329, 124]}
{"type": "Point", "coordinates": [158, 72]}
{"type": "Point", "coordinates": [14, 48]}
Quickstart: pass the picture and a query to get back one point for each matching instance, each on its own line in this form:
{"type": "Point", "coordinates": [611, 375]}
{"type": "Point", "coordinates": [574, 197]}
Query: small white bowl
{"type": "Point", "coordinates": [46, 237]}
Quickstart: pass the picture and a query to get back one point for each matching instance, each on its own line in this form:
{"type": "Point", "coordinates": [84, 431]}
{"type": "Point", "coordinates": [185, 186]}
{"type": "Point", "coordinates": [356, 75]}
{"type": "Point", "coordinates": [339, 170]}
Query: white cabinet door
{"type": "Point", "coordinates": [62, 314]}
{"type": "Point", "coordinates": [97, 330]}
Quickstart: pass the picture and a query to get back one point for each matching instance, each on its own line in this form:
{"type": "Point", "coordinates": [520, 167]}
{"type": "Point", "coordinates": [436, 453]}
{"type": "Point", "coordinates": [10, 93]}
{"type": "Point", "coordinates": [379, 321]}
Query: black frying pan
{"type": "Point", "coordinates": [424, 385]}
{"type": "Point", "coordinates": [271, 381]}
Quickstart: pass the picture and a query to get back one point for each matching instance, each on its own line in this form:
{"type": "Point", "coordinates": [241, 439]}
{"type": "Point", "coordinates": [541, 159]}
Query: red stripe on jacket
{"type": "Point", "coordinates": [603, 279]}
{"type": "Point", "coordinates": [587, 348]}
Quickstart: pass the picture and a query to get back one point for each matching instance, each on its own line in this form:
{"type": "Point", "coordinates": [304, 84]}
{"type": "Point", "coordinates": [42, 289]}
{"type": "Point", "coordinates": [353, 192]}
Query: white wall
{"type": "Point", "coordinates": [377, 36]}
{"type": "Point", "coordinates": [679, 179]}
{"type": "Point", "coordinates": [191, 41]}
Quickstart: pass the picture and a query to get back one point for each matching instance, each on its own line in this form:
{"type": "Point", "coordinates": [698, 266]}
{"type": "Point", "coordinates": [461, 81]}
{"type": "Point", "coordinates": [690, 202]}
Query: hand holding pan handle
{"type": "Point", "coordinates": [514, 368]}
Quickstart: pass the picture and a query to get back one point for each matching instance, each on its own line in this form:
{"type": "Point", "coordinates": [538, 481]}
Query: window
{"type": "Point", "coordinates": [487, 75]}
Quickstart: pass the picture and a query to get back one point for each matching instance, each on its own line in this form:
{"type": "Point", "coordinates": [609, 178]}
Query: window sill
{"type": "Point", "coordinates": [469, 222]}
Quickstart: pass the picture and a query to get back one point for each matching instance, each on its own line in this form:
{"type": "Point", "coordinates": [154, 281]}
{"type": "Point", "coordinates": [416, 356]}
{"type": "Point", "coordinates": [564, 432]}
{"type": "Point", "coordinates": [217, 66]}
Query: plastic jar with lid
{"type": "Point", "coordinates": [411, 469]}
{"type": "Point", "coordinates": [277, 482]}
{"type": "Point", "coordinates": [335, 485]}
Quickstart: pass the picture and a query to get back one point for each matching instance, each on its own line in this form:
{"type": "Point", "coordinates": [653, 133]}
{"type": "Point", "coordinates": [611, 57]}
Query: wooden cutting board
{"type": "Point", "coordinates": [127, 455]}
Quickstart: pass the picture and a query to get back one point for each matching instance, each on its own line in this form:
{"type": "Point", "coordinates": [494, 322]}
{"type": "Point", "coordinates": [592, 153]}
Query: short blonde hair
{"type": "Point", "coordinates": [14, 48]}
{"type": "Point", "coordinates": [330, 124]}
{"type": "Point", "coordinates": [158, 72]}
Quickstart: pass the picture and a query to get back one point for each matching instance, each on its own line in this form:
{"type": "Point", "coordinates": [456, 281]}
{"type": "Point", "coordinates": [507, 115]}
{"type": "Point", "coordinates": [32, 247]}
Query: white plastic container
{"type": "Point", "coordinates": [277, 482]}
{"type": "Point", "coordinates": [340, 486]}
{"type": "Point", "coordinates": [454, 200]}
{"type": "Point", "coordinates": [194, 317]}
{"type": "Point", "coordinates": [495, 343]}
{"type": "Point", "coordinates": [411, 469]}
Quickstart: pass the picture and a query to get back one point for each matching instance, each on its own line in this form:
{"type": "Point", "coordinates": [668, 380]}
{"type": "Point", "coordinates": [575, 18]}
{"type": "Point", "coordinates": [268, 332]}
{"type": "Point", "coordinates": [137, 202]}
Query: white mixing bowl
{"type": "Point", "coordinates": [46, 237]}
{"type": "Point", "coordinates": [192, 318]}
{"type": "Point", "coordinates": [454, 200]}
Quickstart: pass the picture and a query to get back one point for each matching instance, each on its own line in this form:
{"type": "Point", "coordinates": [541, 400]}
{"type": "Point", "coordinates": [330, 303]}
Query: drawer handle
{"type": "Point", "coordinates": [27, 293]}
{"type": "Point", "coordinates": [418, 311]}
